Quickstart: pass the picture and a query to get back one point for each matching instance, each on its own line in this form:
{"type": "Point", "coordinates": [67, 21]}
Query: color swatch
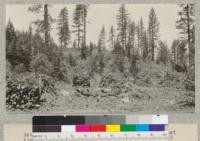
{"type": "Point", "coordinates": [100, 128]}
{"type": "Point", "coordinates": [127, 127]}
{"type": "Point", "coordinates": [112, 128]}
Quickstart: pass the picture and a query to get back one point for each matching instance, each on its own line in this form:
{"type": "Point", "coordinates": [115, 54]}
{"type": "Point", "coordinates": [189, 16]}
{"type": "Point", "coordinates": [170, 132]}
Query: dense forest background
{"type": "Point", "coordinates": [134, 66]}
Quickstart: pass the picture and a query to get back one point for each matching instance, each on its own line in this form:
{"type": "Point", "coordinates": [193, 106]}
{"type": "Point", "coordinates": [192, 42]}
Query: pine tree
{"type": "Point", "coordinates": [84, 16]}
{"type": "Point", "coordinates": [146, 45]}
{"type": "Point", "coordinates": [182, 54]}
{"type": "Point", "coordinates": [118, 56]}
{"type": "Point", "coordinates": [186, 26]}
{"type": "Point", "coordinates": [30, 35]}
{"type": "Point", "coordinates": [122, 26]}
{"type": "Point", "coordinates": [138, 39]}
{"type": "Point", "coordinates": [10, 39]}
{"type": "Point", "coordinates": [44, 25]}
{"type": "Point", "coordinates": [74, 45]}
{"type": "Point", "coordinates": [101, 63]}
{"type": "Point", "coordinates": [12, 52]}
{"type": "Point", "coordinates": [24, 48]}
{"type": "Point", "coordinates": [174, 50]}
{"type": "Point", "coordinates": [77, 20]}
{"type": "Point", "coordinates": [10, 32]}
{"type": "Point", "coordinates": [101, 42]}
{"type": "Point", "coordinates": [91, 48]}
{"type": "Point", "coordinates": [63, 27]}
{"type": "Point", "coordinates": [163, 53]}
{"type": "Point", "coordinates": [111, 39]}
{"type": "Point", "coordinates": [37, 43]}
{"type": "Point", "coordinates": [153, 30]}
{"type": "Point", "coordinates": [131, 39]}
{"type": "Point", "coordinates": [141, 38]}
{"type": "Point", "coordinates": [28, 50]}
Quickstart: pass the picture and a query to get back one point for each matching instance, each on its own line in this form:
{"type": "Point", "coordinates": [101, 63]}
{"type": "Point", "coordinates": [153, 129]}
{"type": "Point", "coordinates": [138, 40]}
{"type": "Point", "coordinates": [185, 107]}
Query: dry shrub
{"type": "Point", "coordinates": [41, 64]}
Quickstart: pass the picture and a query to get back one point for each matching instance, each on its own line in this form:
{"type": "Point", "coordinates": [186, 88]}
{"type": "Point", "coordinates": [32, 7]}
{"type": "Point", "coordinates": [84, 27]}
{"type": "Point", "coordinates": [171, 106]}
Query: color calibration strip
{"type": "Point", "coordinates": [100, 128]}
{"type": "Point", "coordinates": [107, 119]}
{"type": "Point", "coordinates": [99, 123]}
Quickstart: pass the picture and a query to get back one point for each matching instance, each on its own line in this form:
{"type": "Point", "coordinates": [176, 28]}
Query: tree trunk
{"type": "Point", "coordinates": [84, 34]}
{"type": "Point", "coordinates": [78, 36]}
{"type": "Point", "coordinates": [84, 26]}
{"type": "Point", "coordinates": [46, 26]}
{"type": "Point", "coordinates": [153, 47]}
{"type": "Point", "coordinates": [189, 38]}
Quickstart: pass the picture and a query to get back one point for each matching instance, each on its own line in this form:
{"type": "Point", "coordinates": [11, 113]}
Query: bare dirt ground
{"type": "Point", "coordinates": [161, 100]}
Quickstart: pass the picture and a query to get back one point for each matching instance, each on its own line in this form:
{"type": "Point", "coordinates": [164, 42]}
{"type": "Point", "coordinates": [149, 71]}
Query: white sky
{"type": "Point", "coordinates": [99, 15]}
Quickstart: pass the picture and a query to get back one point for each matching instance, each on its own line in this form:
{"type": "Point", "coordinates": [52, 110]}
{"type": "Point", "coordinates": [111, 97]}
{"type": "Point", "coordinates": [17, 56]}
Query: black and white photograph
{"type": "Point", "coordinates": [100, 58]}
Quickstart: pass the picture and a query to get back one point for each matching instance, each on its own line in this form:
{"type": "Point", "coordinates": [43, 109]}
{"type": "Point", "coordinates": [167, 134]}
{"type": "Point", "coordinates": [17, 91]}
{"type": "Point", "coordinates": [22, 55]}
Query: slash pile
{"type": "Point", "coordinates": [20, 95]}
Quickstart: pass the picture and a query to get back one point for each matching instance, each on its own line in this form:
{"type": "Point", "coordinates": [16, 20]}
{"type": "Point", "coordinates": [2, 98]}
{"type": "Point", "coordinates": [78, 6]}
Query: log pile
{"type": "Point", "coordinates": [81, 80]}
{"type": "Point", "coordinates": [20, 95]}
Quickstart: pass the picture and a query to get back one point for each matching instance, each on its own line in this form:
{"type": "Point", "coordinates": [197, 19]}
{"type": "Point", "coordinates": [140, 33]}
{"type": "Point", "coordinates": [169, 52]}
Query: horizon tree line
{"type": "Point", "coordinates": [130, 39]}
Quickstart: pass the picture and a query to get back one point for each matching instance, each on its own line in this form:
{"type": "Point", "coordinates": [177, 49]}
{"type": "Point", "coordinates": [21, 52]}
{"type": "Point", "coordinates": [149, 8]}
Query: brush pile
{"type": "Point", "coordinates": [21, 95]}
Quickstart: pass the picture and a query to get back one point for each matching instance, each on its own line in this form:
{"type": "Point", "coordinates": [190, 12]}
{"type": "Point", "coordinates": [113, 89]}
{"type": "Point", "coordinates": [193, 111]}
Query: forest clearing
{"type": "Point", "coordinates": [132, 70]}
{"type": "Point", "coordinates": [151, 90]}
